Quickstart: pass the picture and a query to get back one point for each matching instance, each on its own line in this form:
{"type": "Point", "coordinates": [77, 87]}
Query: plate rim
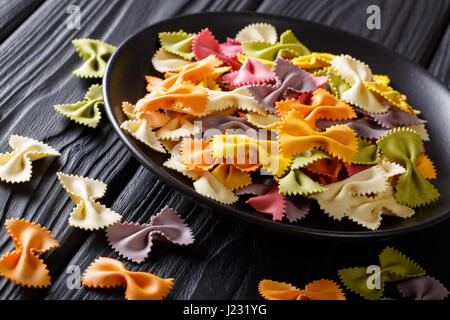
{"type": "Point", "coordinates": [293, 229]}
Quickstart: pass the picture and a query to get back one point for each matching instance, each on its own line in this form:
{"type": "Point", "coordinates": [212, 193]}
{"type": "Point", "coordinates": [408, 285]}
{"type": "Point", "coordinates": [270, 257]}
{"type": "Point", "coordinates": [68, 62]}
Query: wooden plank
{"type": "Point", "coordinates": [440, 64]}
{"type": "Point", "coordinates": [37, 75]}
{"type": "Point", "coordinates": [412, 28]}
{"type": "Point", "coordinates": [13, 13]}
{"type": "Point", "coordinates": [229, 257]}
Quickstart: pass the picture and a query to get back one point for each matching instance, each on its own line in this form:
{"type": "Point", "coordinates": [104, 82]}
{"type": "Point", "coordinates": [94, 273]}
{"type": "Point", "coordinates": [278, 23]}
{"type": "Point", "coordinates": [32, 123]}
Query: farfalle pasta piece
{"type": "Point", "coordinates": [348, 197]}
{"type": "Point", "coordinates": [323, 106]}
{"type": "Point", "coordinates": [218, 124]}
{"type": "Point", "coordinates": [153, 119]}
{"type": "Point", "coordinates": [258, 187]}
{"type": "Point", "coordinates": [317, 290]}
{"type": "Point", "coordinates": [211, 187]}
{"type": "Point", "coordinates": [368, 153]}
{"type": "Point", "coordinates": [288, 46]}
{"type": "Point", "coordinates": [15, 166]}
{"type": "Point", "coordinates": [364, 128]}
{"type": "Point", "coordinates": [108, 273]}
{"type": "Point", "coordinates": [178, 43]}
{"type": "Point", "coordinates": [335, 82]}
{"type": "Point", "coordinates": [184, 97]}
{"type": "Point", "coordinates": [394, 266]}
{"type": "Point", "coordinates": [423, 288]}
{"type": "Point", "coordinates": [315, 60]}
{"type": "Point", "coordinates": [134, 241]}
{"type": "Point", "coordinates": [22, 265]}
{"type": "Point", "coordinates": [196, 155]}
{"type": "Point", "coordinates": [393, 97]}
{"type": "Point", "coordinates": [356, 73]}
{"type": "Point", "coordinates": [164, 61]}
{"type": "Point", "coordinates": [239, 97]}
{"type": "Point", "coordinates": [298, 183]}
{"type": "Point", "coordinates": [258, 32]}
{"type": "Point", "coordinates": [86, 112]}
{"type": "Point", "coordinates": [289, 79]}
{"type": "Point", "coordinates": [242, 150]}
{"type": "Point", "coordinates": [143, 132]}
{"type": "Point", "coordinates": [272, 203]}
{"type": "Point", "coordinates": [175, 163]}
{"type": "Point", "coordinates": [328, 167]}
{"type": "Point", "coordinates": [231, 177]}
{"type": "Point", "coordinates": [266, 121]}
{"type": "Point", "coordinates": [404, 147]}
{"type": "Point", "coordinates": [96, 54]}
{"type": "Point", "coordinates": [426, 167]}
{"type": "Point", "coordinates": [178, 127]}
{"type": "Point", "coordinates": [88, 213]}
{"type": "Point", "coordinates": [296, 136]}
{"type": "Point", "coordinates": [205, 44]}
{"type": "Point", "coordinates": [251, 72]}
{"type": "Point", "coordinates": [297, 208]}
{"type": "Point", "coordinates": [395, 117]}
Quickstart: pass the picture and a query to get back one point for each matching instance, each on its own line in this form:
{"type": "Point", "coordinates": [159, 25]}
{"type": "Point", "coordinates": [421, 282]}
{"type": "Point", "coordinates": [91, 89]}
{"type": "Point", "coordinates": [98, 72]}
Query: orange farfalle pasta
{"type": "Point", "coordinates": [426, 167]}
{"type": "Point", "coordinates": [316, 290]}
{"type": "Point", "coordinates": [296, 136]}
{"type": "Point", "coordinates": [324, 106]}
{"type": "Point", "coordinates": [328, 167]}
{"type": "Point", "coordinates": [23, 265]}
{"type": "Point", "coordinates": [196, 155]}
{"type": "Point", "coordinates": [195, 72]}
{"type": "Point", "coordinates": [184, 97]}
{"type": "Point", "coordinates": [109, 273]}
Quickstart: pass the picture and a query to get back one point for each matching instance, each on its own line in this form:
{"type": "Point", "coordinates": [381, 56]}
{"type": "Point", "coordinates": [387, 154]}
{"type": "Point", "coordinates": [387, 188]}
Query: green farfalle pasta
{"type": "Point", "coordinates": [288, 46]}
{"type": "Point", "coordinates": [298, 183]}
{"type": "Point", "coordinates": [335, 82]}
{"type": "Point", "coordinates": [394, 266]}
{"type": "Point", "coordinates": [86, 112]}
{"type": "Point", "coordinates": [403, 146]}
{"type": "Point", "coordinates": [96, 55]}
{"type": "Point", "coordinates": [367, 153]}
{"type": "Point", "coordinates": [178, 43]}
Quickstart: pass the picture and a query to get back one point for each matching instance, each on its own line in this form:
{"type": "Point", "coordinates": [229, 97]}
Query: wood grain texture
{"type": "Point", "coordinates": [229, 257]}
{"type": "Point", "coordinates": [411, 28]}
{"type": "Point", "coordinates": [440, 65]}
{"type": "Point", "coordinates": [13, 13]}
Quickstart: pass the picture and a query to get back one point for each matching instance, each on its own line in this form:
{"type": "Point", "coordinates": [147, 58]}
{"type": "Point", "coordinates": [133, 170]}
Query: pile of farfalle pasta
{"type": "Point", "coordinates": [260, 115]}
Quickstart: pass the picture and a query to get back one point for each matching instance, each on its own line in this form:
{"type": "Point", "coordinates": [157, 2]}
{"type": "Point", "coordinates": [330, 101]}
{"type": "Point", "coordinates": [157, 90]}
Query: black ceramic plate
{"type": "Point", "coordinates": [124, 81]}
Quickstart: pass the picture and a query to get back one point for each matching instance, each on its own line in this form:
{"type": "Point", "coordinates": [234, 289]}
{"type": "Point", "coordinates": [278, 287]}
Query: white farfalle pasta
{"type": "Point", "coordinates": [143, 132]}
{"type": "Point", "coordinates": [164, 61]}
{"type": "Point", "coordinates": [266, 121]}
{"type": "Point", "coordinates": [258, 32]}
{"type": "Point", "coordinates": [240, 98]}
{"type": "Point", "coordinates": [15, 166]}
{"type": "Point", "coordinates": [359, 188]}
{"type": "Point", "coordinates": [175, 163]}
{"type": "Point", "coordinates": [367, 211]}
{"type": "Point", "coordinates": [176, 128]}
{"type": "Point", "coordinates": [88, 214]}
{"type": "Point", "coordinates": [421, 130]}
{"type": "Point", "coordinates": [211, 187]}
{"type": "Point", "coordinates": [355, 73]}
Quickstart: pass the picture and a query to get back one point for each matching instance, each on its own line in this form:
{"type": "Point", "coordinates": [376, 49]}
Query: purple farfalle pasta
{"type": "Point", "coordinates": [289, 78]}
{"type": "Point", "coordinates": [134, 241]}
{"type": "Point", "coordinates": [423, 288]}
{"type": "Point", "coordinates": [364, 128]}
{"type": "Point", "coordinates": [394, 117]}
{"type": "Point", "coordinates": [259, 187]}
{"type": "Point", "coordinates": [297, 208]}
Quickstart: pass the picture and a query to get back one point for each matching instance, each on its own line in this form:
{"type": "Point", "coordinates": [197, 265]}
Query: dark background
{"type": "Point", "coordinates": [229, 257]}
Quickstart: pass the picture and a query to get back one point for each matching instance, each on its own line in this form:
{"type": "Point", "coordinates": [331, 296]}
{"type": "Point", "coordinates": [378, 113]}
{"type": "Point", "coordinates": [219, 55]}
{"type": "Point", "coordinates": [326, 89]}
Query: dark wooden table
{"type": "Point", "coordinates": [229, 257]}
